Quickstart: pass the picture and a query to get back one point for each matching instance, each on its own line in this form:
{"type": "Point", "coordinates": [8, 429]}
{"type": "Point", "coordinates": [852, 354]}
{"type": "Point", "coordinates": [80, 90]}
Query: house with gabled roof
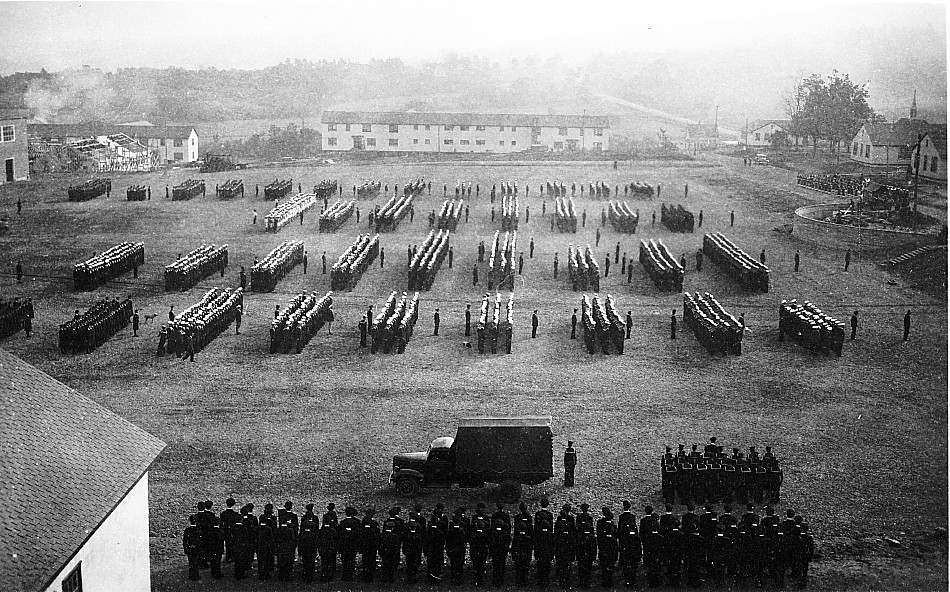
{"type": "Point", "coordinates": [74, 483]}
{"type": "Point", "coordinates": [933, 154]}
{"type": "Point", "coordinates": [760, 132]}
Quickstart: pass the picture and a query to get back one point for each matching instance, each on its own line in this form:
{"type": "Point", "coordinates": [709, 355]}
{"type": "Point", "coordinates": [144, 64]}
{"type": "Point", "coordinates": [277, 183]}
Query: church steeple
{"type": "Point", "coordinates": [913, 106]}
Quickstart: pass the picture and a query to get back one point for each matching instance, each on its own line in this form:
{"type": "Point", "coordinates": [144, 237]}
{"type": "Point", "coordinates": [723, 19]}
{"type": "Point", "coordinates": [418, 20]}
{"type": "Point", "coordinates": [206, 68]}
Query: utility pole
{"type": "Point", "coordinates": [920, 138]}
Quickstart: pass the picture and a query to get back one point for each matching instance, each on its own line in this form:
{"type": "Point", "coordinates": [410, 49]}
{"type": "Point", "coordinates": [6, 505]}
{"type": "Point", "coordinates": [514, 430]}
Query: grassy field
{"type": "Point", "coordinates": [863, 438]}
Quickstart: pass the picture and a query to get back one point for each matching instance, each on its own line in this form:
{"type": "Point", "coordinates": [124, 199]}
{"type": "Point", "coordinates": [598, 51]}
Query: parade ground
{"type": "Point", "coordinates": [862, 438]}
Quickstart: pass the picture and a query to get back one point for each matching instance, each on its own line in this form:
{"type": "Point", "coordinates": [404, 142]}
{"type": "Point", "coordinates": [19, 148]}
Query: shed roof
{"type": "Point", "coordinates": [760, 123]}
{"type": "Point", "coordinates": [82, 130]}
{"type": "Point", "coordinates": [64, 456]}
{"type": "Point", "coordinates": [902, 132]}
{"type": "Point", "coordinates": [505, 422]}
{"type": "Point", "coordinates": [486, 119]}
{"type": "Point", "coordinates": [8, 114]}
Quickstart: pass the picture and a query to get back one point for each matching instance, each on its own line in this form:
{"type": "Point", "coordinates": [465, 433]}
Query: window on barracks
{"type": "Point", "coordinates": [501, 142]}
{"type": "Point", "coordinates": [479, 142]}
{"type": "Point", "coordinates": [933, 164]}
{"type": "Point", "coordinates": [903, 152]}
{"type": "Point", "coordinates": [8, 133]}
{"type": "Point", "coordinates": [179, 156]}
{"type": "Point", "coordinates": [598, 131]}
{"type": "Point", "coordinates": [562, 131]}
{"type": "Point", "coordinates": [161, 142]}
{"type": "Point", "coordinates": [925, 162]}
{"type": "Point", "coordinates": [370, 141]}
{"type": "Point", "coordinates": [393, 129]}
{"type": "Point", "coordinates": [73, 582]}
{"type": "Point", "coordinates": [758, 136]}
{"type": "Point", "coordinates": [514, 129]}
{"type": "Point", "coordinates": [178, 144]}
{"type": "Point", "coordinates": [367, 127]}
{"type": "Point", "coordinates": [464, 142]}
{"type": "Point", "coordinates": [867, 151]}
{"type": "Point", "coordinates": [501, 128]}
{"type": "Point", "coordinates": [331, 127]}
{"type": "Point", "coordinates": [393, 142]}
{"type": "Point", "coordinates": [331, 141]}
{"type": "Point", "coordinates": [415, 128]}
{"type": "Point", "coordinates": [427, 141]}
{"type": "Point", "coordinates": [464, 128]}
{"type": "Point", "coordinates": [582, 132]}
{"type": "Point", "coordinates": [598, 146]}
{"type": "Point", "coordinates": [448, 142]}
{"type": "Point", "coordinates": [559, 145]}
{"type": "Point", "coordinates": [415, 140]}
{"type": "Point", "coordinates": [347, 128]}
{"type": "Point", "coordinates": [514, 143]}
{"type": "Point", "coordinates": [536, 130]}
{"type": "Point", "coordinates": [449, 128]}
{"type": "Point", "coordinates": [427, 129]}
{"type": "Point", "coordinates": [479, 128]}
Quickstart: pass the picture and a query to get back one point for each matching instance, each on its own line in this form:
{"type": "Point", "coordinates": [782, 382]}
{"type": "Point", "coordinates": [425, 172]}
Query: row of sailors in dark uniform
{"type": "Point", "coordinates": [16, 314]}
{"type": "Point", "coordinates": [714, 476]}
{"type": "Point", "coordinates": [750, 548]}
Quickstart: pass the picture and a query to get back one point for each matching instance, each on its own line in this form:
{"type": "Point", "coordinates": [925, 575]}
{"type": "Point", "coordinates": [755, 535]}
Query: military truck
{"type": "Point", "coordinates": [509, 451]}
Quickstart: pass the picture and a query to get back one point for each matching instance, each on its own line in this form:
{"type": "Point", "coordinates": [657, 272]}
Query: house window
{"type": "Point", "coordinates": [427, 141]}
{"type": "Point", "coordinates": [479, 128]}
{"type": "Point", "coordinates": [582, 132]}
{"type": "Point", "coordinates": [448, 142]}
{"type": "Point", "coordinates": [393, 141]}
{"type": "Point", "coordinates": [331, 141]}
{"type": "Point", "coordinates": [73, 582]}
{"type": "Point", "coordinates": [479, 142]}
{"type": "Point", "coordinates": [501, 142]}
{"type": "Point", "coordinates": [501, 129]}
{"type": "Point", "coordinates": [427, 128]}
{"type": "Point", "coordinates": [415, 140]}
{"type": "Point", "coordinates": [178, 144]}
{"type": "Point", "coordinates": [926, 159]}
{"type": "Point", "coordinates": [464, 128]}
{"type": "Point", "coordinates": [415, 127]}
{"type": "Point", "coordinates": [933, 164]}
{"type": "Point", "coordinates": [347, 127]}
{"type": "Point", "coordinates": [331, 127]}
{"type": "Point", "coordinates": [562, 131]}
{"type": "Point", "coordinates": [464, 142]}
{"type": "Point", "coordinates": [758, 136]}
{"type": "Point", "coordinates": [179, 156]}
{"type": "Point", "coordinates": [559, 145]}
{"type": "Point", "coordinates": [367, 127]}
{"type": "Point", "coordinates": [370, 141]}
{"type": "Point", "coordinates": [449, 128]}
{"type": "Point", "coordinates": [8, 134]}
{"type": "Point", "coordinates": [903, 152]}
{"type": "Point", "coordinates": [572, 144]}
{"type": "Point", "coordinates": [193, 142]}
{"type": "Point", "coordinates": [867, 151]}
{"type": "Point", "coordinates": [513, 143]}
{"type": "Point", "coordinates": [393, 129]}
{"type": "Point", "coordinates": [598, 146]}
{"type": "Point", "coordinates": [927, 143]}
{"type": "Point", "coordinates": [598, 131]}
{"type": "Point", "coordinates": [854, 148]}
{"type": "Point", "coordinates": [161, 142]}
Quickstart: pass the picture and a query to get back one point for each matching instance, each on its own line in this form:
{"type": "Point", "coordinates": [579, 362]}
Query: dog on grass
{"type": "Point", "coordinates": [150, 317]}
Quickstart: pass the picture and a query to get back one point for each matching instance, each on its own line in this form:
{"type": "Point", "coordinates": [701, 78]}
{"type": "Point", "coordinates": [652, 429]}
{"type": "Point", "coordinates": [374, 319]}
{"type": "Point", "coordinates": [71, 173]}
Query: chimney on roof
{"type": "Point", "coordinates": [913, 106]}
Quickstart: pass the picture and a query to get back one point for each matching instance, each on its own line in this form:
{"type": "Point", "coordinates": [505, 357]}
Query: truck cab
{"type": "Point", "coordinates": [433, 468]}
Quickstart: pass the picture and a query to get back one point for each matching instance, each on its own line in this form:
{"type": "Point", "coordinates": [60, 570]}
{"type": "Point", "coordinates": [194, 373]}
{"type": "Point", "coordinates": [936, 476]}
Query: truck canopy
{"type": "Point", "coordinates": [495, 449]}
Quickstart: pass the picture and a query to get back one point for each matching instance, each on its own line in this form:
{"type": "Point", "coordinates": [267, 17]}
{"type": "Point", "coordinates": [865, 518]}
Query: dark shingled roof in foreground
{"type": "Point", "coordinates": [486, 119]}
{"type": "Point", "coordinates": [65, 464]}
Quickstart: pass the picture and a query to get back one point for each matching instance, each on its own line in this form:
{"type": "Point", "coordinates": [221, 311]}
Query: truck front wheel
{"type": "Point", "coordinates": [407, 487]}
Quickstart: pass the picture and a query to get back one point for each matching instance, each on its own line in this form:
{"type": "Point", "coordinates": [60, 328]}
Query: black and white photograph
{"type": "Point", "coordinates": [673, 314]}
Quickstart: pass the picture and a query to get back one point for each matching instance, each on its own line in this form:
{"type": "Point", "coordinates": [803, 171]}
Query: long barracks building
{"type": "Point", "coordinates": [462, 132]}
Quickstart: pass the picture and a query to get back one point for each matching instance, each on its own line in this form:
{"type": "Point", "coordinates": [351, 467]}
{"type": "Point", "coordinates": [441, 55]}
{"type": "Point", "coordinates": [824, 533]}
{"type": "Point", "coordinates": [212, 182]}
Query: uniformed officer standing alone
{"type": "Point", "coordinates": [570, 461]}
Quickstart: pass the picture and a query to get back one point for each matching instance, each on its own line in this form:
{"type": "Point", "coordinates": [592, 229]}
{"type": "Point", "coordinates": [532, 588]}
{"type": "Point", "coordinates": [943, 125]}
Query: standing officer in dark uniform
{"type": "Point", "coordinates": [522, 545]}
{"type": "Point", "coordinates": [227, 519]}
{"type": "Point", "coordinates": [435, 322]}
{"type": "Point", "coordinates": [574, 325]}
{"type": "Point", "coordinates": [854, 325]}
{"type": "Point", "coordinates": [534, 324]}
{"type": "Point", "coordinates": [544, 545]}
{"type": "Point", "coordinates": [349, 543]}
{"type": "Point", "coordinates": [586, 548]}
{"type": "Point", "coordinates": [673, 325]}
{"type": "Point", "coordinates": [629, 550]}
{"type": "Point", "coordinates": [906, 325]}
{"type": "Point", "coordinates": [468, 320]}
{"type": "Point", "coordinates": [435, 544]}
{"type": "Point", "coordinates": [412, 547]}
{"type": "Point", "coordinates": [570, 461]}
{"type": "Point", "coordinates": [456, 538]}
{"type": "Point", "coordinates": [389, 543]}
{"type": "Point", "coordinates": [328, 544]}
{"type": "Point", "coordinates": [191, 540]}
{"type": "Point", "coordinates": [798, 260]}
{"type": "Point", "coordinates": [286, 546]}
{"type": "Point", "coordinates": [307, 546]}
{"type": "Point", "coordinates": [565, 536]}
{"type": "Point", "coordinates": [499, 543]}
{"type": "Point", "coordinates": [478, 545]}
{"type": "Point", "coordinates": [369, 544]}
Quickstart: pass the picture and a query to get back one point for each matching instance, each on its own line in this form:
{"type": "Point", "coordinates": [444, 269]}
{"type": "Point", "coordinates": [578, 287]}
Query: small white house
{"type": "Point", "coordinates": [933, 154]}
{"type": "Point", "coordinates": [74, 482]}
{"type": "Point", "coordinates": [760, 132]}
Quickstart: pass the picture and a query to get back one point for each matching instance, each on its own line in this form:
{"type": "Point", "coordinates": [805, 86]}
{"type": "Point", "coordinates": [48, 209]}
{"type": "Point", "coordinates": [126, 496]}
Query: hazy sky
{"type": "Point", "coordinates": [110, 35]}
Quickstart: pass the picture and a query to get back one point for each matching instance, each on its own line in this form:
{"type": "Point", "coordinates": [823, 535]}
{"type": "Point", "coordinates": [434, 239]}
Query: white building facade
{"type": "Point", "coordinates": [462, 132]}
